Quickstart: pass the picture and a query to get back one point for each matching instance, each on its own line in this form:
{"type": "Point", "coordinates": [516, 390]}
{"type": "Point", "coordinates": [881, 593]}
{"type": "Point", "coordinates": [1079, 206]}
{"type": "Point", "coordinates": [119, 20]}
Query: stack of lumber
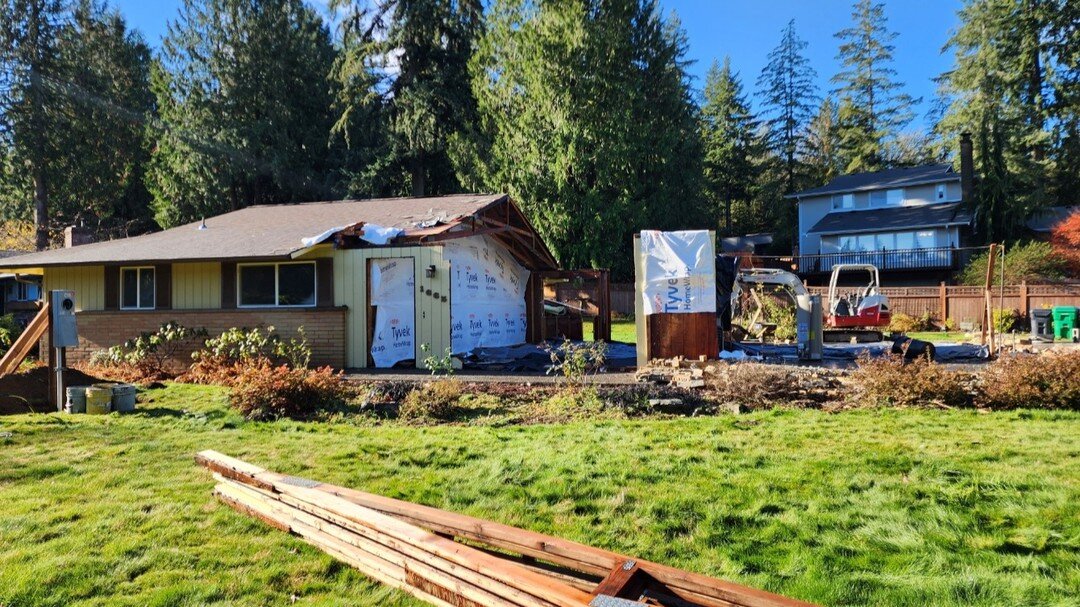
{"type": "Point", "coordinates": [450, 559]}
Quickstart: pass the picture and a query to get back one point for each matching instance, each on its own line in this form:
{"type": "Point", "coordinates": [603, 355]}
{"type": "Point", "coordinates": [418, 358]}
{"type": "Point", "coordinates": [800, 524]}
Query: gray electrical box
{"type": "Point", "coordinates": [62, 314]}
{"type": "Point", "coordinates": [808, 322]}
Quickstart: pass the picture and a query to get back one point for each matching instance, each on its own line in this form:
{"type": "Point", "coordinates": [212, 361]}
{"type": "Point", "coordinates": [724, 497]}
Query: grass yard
{"type": "Point", "coordinates": [621, 330]}
{"type": "Point", "coordinates": [944, 337]}
{"type": "Point", "coordinates": [867, 507]}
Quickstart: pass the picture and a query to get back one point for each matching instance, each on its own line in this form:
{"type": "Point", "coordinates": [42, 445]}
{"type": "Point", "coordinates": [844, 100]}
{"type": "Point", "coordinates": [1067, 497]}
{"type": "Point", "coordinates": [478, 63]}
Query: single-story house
{"type": "Point", "coordinates": [370, 281]}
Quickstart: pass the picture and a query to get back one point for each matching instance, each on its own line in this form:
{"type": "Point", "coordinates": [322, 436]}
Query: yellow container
{"type": "Point", "coordinates": [98, 400]}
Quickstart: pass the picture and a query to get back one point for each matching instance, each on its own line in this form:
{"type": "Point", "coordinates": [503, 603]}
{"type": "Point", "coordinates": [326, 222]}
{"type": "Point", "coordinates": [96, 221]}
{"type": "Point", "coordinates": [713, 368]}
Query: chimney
{"type": "Point", "coordinates": [967, 167]}
{"type": "Point", "coordinates": [77, 235]}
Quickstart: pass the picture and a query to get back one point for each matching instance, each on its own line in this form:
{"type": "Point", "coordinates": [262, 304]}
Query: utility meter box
{"type": "Point", "coordinates": [62, 314]}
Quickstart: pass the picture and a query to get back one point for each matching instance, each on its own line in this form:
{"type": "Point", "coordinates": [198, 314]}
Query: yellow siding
{"type": "Point", "coordinates": [432, 315]}
{"type": "Point", "coordinates": [196, 286]}
{"type": "Point", "coordinates": [88, 282]}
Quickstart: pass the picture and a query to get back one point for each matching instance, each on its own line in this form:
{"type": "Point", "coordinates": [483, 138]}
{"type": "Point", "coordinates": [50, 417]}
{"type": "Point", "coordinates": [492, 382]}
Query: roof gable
{"type": "Point", "coordinates": [879, 180]}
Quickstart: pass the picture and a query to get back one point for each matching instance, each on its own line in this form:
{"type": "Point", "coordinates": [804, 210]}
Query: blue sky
{"type": "Point", "coordinates": [746, 30]}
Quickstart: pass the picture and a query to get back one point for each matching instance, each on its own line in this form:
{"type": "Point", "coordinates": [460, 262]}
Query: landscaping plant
{"type": "Point", "coordinates": [438, 365]}
{"type": "Point", "coordinates": [575, 362]}
{"type": "Point", "coordinates": [1050, 380]}
{"type": "Point", "coordinates": [263, 391]}
{"type": "Point", "coordinates": [434, 400]}
{"type": "Point", "coordinates": [892, 381]}
{"type": "Point", "coordinates": [148, 356]}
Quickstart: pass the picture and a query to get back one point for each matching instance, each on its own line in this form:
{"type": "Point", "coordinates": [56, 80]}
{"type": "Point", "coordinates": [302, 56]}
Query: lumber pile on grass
{"type": "Point", "coordinates": [454, 560]}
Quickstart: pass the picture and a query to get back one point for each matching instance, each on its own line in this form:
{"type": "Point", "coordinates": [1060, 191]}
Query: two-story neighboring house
{"type": "Point", "coordinates": [906, 221]}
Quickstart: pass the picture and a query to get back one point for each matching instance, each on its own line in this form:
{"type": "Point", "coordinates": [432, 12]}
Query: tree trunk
{"type": "Point", "coordinates": [41, 210]}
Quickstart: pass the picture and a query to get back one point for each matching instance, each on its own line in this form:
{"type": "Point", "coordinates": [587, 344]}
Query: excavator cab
{"type": "Point", "coordinates": [863, 307]}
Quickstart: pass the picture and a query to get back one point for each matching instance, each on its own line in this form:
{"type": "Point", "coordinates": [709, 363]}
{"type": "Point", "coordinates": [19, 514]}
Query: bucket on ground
{"type": "Point", "coordinates": [123, 397]}
{"type": "Point", "coordinates": [1064, 321]}
{"type": "Point", "coordinates": [98, 400]}
{"type": "Point", "coordinates": [76, 399]}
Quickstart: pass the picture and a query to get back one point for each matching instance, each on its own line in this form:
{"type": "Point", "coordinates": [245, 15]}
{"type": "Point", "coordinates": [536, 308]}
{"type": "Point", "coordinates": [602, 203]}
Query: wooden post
{"type": "Point", "coordinates": [988, 317]}
{"type": "Point", "coordinates": [943, 304]}
{"type": "Point", "coordinates": [1024, 310]}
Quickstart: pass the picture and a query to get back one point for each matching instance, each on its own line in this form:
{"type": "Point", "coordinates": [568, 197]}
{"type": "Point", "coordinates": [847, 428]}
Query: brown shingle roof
{"type": "Point", "coordinates": [263, 231]}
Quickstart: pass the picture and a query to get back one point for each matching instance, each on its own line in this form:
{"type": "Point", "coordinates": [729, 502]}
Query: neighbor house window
{"type": "Point", "coordinates": [941, 191]}
{"type": "Point", "coordinates": [276, 284]}
{"type": "Point", "coordinates": [894, 198]}
{"type": "Point", "coordinates": [137, 288]}
{"type": "Point", "coordinates": [843, 201]}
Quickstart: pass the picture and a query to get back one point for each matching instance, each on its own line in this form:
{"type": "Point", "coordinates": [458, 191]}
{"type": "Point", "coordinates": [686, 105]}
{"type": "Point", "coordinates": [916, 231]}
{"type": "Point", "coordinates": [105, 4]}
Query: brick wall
{"type": "Point", "coordinates": [324, 327]}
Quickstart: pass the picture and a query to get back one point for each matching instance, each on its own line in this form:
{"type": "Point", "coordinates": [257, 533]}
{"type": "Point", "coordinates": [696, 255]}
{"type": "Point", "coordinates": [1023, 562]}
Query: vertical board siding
{"type": "Point", "coordinates": [88, 282]}
{"type": "Point", "coordinates": [196, 286]}
{"type": "Point", "coordinates": [432, 314]}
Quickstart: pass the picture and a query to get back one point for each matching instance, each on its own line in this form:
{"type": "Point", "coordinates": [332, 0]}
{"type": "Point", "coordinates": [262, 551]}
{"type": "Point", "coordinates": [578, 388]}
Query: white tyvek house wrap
{"type": "Point", "coordinates": [680, 272]}
{"type": "Point", "coordinates": [393, 293]}
{"type": "Point", "coordinates": [487, 295]}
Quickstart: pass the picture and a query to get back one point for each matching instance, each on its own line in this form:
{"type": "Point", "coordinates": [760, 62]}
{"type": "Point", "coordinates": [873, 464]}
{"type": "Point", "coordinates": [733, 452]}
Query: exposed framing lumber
{"type": "Point", "coordinates": [22, 346]}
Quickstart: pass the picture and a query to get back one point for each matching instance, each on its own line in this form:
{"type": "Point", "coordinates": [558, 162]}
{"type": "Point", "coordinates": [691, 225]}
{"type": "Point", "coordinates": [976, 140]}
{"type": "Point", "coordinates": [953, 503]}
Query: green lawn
{"type": "Point", "coordinates": [940, 336]}
{"type": "Point", "coordinates": [621, 330]}
{"type": "Point", "coordinates": [873, 507]}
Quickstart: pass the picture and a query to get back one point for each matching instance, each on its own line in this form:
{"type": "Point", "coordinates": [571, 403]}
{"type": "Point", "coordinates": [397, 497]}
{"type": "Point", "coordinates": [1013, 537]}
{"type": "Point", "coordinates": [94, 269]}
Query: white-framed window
{"type": "Point", "coordinates": [138, 288]}
{"type": "Point", "coordinates": [894, 198]}
{"type": "Point", "coordinates": [286, 284]}
{"type": "Point", "coordinates": [843, 201]}
{"type": "Point", "coordinates": [942, 192]}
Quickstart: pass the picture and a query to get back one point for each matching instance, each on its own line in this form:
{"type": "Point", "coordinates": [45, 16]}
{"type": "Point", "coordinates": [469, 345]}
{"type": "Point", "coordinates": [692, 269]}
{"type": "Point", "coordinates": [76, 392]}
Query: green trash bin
{"type": "Point", "coordinates": [1064, 321]}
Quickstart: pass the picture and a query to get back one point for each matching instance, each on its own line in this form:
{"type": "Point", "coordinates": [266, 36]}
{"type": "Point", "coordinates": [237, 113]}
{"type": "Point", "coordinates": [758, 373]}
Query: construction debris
{"type": "Point", "coordinates": [453, 560]}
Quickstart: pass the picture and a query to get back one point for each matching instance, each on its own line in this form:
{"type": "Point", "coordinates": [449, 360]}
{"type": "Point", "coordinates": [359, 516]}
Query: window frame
{"type": "Point", "coordinates": [841, 199]}
{"type": "Point", "coordinates": [277, 284]}
{"type": "Point", "coordinates": [941, 192]}
{"type": "Point", "coordinates": [899, 202]}
{"type": "Point", "coordinates": [138, 288]}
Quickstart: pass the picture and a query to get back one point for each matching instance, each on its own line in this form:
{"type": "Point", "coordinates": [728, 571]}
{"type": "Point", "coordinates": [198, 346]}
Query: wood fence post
{"type": "Point", "coordinates": [1024, 310]}
{"type": "Point", "coordinates": [943, 304]}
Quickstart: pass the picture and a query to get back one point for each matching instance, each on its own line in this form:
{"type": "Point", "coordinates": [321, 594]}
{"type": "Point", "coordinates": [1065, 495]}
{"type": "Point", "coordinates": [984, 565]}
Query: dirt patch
{"type": "Point", "coordinates": [27, 390]}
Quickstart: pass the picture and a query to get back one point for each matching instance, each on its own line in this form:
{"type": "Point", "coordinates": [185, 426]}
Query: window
{"type": "Point", "coordinates": [137, 289]}
{"type": "Point", "coordinates": [894, 198]}
{"type": "Point", "coordinates": [941, 191]}
{"type": "Point", "coordinates": [843, 201]}
{"type": "Point", "coordinates": [280, 284]}
{"type": "Point", "coordinates": [905, 241]}
{"type": "Point", "coordinates": [886, 241]}
{"type": "Point", "coordinates": [925, 239]}
{"type": "Point", "coordinates": [866, 242]}
{"type": "Point", "coordinates": [877, 198]}
{"type": "Point", "coordinates": [22, 291]}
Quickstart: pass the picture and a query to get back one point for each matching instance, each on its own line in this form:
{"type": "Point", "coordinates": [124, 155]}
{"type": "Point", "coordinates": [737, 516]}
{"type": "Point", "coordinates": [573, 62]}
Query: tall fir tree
{"type": "Point", "coordinates": [29, 63]}
{"type": "Point", "coordinates": [245, 105]}
{"type": "Point", "coordinates": [788, 96]}
{"type": "Point", "coordinates": [587, 120]}
{"type": "Point", "coordinates": [413, 55]}
{"type": "Point", "coordinates": [872, 109]}
{"type": "Point", "coordinates": [823, 159]}
{"type": "Point", "coordinates": [997, 91]}
{"type": "Point", "coordinates": [92, 80]}
{"type": "Point", "coordinates": [728, 132]}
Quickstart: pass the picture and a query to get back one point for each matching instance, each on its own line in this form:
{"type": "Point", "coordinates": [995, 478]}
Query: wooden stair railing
{"type": "Point", "coordinates": [22, 346]}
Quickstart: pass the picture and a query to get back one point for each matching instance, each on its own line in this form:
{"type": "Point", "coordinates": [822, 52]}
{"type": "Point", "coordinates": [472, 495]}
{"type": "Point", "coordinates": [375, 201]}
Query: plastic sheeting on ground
{"type": "Point", "coordinates": [680, 275]}
{"type": "Point", "coordinates": [392, 294]}
{"type": "Point", "coordinates": [487, 306]}
{"type": "Point", "coordinates": [850, 352]}
{"type": "Point", "coordinates": [533, 358]}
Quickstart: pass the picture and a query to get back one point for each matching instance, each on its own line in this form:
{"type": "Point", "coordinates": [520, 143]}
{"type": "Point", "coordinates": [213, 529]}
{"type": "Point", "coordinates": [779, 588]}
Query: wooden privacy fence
{"type": "Point", "coordinates": [964, 304]}
{"type": "Point", "coordinates": [960, 303]}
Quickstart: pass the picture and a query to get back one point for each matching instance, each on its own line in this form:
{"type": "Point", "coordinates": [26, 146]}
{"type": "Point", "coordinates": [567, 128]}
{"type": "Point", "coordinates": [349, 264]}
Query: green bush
{"type": "Point", "coordinates": [905, 323]}
{"type": "Point", "coordinates": [10, 330]}
{"type": "Point", "coordinates": [148, 355]}
{"type": "Point", "coordinates": [1006, 320]}
{"type": "Point", "coordinates": [575, 362]}
{"type": "Point", "coordinates": [240, 345]}
{"type": "Point", "coordinates": [1034, 261]}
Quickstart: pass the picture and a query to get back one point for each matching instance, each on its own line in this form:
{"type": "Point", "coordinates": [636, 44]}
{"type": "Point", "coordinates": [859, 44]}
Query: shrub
{"type": "Point", "coordinates": [1006, 320]}
{"type": "Point", "coordinates": [1033, 261]}
{"type": "Point", "coordinates": [573, 404]}
{"type": "Point", "coordinates": [1065, 238]}
{"type": "Point", "coordinates": [756, 385]}
{"type": "Point", "coordinates": [147, 356]}
{"type": "Point", "coordinates": [1047, 381]}
{"type": "Point", "coordinates": [575, 362]}
{"type": "Point", "coordinates": [433, 400]}
{"type": "Point", "coordinates": [438, 365]}
{"type": "Point", "coordinates": [10, 330]}
{"type": "Point", "coordinates": [238, 345]}
{"type": "Point", "coordinates": [263, 391]}
{"type": "Point", "coordinates": [890, 381]}
{"type": "Point", "coordinates": [905, 323]}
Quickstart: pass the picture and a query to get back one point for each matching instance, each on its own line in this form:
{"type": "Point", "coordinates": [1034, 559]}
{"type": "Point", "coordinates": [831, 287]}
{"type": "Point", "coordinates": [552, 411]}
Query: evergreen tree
{"type": "Point", "coordinates": [420, 50]}
{"type": "Point", "coordinates": [245, 105]}
{"type": "Point", "coordinates": [786, 86]}
{"type": "Point", "coordinates": [94, 100]}
{"type": "Point", "coordinates": [587, 121]}
{"type": "Point", "coordinates": [872, 109]}
{"type": "Point", "coordinates": [29, 64]}
{"type": "Point", "coordinates": [728, 135]}
{"type": "Point", "coordinates": [996, 91]}
{"type": "Point", "coordinates": [823, 158]}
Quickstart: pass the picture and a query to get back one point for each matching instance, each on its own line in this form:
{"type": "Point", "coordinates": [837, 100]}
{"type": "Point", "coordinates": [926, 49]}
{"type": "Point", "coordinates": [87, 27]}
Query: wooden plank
{"type": "Point", "coordinates": [627, 581]}
{"type": "Point", "coordinates": [700, 589]}
{"type": "Point", "coordinates": [22, 346]}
